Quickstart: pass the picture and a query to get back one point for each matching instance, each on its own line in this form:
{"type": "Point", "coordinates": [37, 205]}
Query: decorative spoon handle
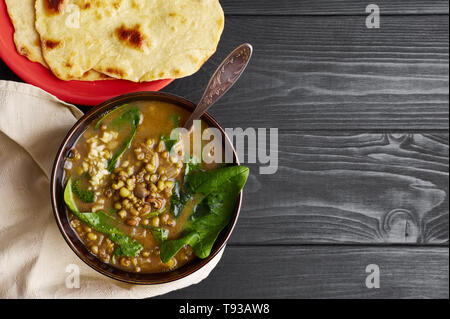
{"type": "Point", "coordinates": [222, 80]}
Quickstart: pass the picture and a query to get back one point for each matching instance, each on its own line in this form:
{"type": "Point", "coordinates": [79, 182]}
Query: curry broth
{"type": "Point", "coordinates": [149, 195]}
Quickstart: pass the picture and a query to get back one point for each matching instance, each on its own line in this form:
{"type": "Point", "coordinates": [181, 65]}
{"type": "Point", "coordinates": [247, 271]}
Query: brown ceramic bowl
{"type": "Point", "coordinates": [61, 213]}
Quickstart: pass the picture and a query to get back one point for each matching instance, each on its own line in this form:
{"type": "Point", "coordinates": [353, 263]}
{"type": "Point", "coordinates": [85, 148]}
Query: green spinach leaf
{"type": "Point", "coordinates": [168, 142]}
{"type": "Point", "coordinates": [86, 196]}
{"type": "Point", "coordinates": [201, 209]}
{"type": "Point", "coordinates": [118, 154]}
{"type": "Point", "coordinates": [191, 167]}
{"type": "Point", "coordinates": [108, 114]}
{"type": "Point", "coordinates": [104, 117]}
{"type": "Point", "coordinates": [101, 222]}
{"type": "Point", "coordinates": [155, 213]}
{"type": "Point", "coordinates": [175, 120]}
{"type": "Point", "coordinates": [160, 234]}
{"type": "Point", "coordinates": [210, 181]}
{"type": "Point", "coordinates": [113, 211]}
{"type": "Point", "coordinates": [170, 248]}
{"type": "Point", "coordinates": [221, 188]}
{"type": "Point", "coordinates": [130, 117]}
{"type": "Point", "coordinates": [178, 200]}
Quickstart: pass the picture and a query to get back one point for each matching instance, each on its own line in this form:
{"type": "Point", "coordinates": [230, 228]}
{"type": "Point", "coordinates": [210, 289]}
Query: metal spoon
{"type": "Point", "coordinates": [222, 80]}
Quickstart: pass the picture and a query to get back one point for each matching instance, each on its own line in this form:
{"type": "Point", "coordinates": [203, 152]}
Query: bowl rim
{"type": "Point", "coordinates": [58, 173]}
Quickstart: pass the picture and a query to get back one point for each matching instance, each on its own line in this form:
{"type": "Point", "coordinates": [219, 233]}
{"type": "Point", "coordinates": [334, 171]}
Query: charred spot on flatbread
{"type": "Point", "coordinates": [25, 52]}
{"type": "Point", "coordinates": [116, 71]}
{"type": "Point", "coordinates": [54, 6]}
{"type": "Point", "coordinates": [132, 37]}
{"type": "Point", "coordinates": [193, 59]}
{"type": "Point", "coordinates": [51, 44]}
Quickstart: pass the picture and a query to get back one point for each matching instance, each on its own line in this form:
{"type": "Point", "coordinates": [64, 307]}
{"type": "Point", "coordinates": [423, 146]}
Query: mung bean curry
{"type": "Point", "coordinates": [134, 203]}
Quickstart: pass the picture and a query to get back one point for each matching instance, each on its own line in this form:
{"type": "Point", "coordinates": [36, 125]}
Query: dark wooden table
{"type": "Point", "coordinates": [364, 150]}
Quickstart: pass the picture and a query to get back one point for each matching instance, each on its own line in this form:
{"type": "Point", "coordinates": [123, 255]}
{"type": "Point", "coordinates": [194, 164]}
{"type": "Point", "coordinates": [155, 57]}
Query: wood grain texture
{"type": "Point", "coordinates": [335, 7]}
{"type": "Point", "coordinates": [324, 272]}
{"type": "Point", "coordinates": [310, 73]}
{"type": "Point", "coordinates": [350, 188]}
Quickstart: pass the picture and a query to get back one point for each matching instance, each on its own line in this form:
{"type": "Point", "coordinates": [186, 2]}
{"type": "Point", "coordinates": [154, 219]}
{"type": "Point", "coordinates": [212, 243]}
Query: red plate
{"type": "Point", "coordinates": [78, 92]}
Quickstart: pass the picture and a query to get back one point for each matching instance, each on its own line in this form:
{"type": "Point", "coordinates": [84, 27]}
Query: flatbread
{"type": "Point", "coordinates": [26, 38]}
{"type": "Point", "coordinates": [137, 40]}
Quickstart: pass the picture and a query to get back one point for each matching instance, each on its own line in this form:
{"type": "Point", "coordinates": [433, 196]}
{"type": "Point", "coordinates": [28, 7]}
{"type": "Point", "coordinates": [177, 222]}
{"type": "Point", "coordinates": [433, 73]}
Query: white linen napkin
{"type": "Point", "coordinates": [35, 261]}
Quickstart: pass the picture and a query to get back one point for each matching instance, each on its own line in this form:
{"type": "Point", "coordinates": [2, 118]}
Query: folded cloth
{"type": "Point", "coordinates": [35, 261]}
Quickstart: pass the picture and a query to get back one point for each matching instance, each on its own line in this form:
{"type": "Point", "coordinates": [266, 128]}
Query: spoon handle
{"type": "Point", "coordinates": [222, 80]}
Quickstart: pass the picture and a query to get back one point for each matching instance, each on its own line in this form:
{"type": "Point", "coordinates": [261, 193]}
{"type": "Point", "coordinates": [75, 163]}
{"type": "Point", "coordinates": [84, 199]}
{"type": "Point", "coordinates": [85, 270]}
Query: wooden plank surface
{"type": "Point", "coordinates": [324, 272]}
{"type": "Point", "coordinates": [330, 73]}
{"type": "Point", "coordinates": [335, 7]}
{"type": "Point", "coordinates": [336, 187]}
